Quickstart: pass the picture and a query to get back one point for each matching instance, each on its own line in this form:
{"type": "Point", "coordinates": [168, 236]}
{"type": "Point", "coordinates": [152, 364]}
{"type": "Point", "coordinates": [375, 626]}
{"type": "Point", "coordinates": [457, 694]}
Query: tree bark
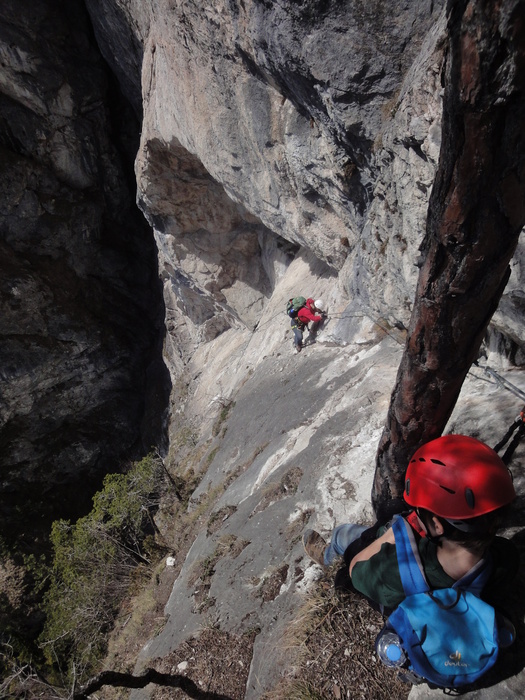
{"type": "Point", "coordinates": [150, 675]}
{"type": "Point", "coordinates": [476, 213]}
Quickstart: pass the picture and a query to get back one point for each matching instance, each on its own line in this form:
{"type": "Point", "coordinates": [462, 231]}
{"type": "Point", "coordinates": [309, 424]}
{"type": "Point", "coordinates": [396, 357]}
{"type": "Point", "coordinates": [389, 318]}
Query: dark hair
{"type": "Point", "coordinates": [480, 534]}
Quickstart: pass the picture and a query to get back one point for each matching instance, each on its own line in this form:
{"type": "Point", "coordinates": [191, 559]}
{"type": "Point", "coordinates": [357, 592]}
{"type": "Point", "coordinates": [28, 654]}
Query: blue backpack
{"type": "Point", "coordinates": [450, 636]}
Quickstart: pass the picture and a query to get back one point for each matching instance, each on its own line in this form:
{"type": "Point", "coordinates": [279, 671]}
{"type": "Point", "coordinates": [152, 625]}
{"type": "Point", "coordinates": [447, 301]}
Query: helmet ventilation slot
{"type": "Point", "coordinates": [469, 497]}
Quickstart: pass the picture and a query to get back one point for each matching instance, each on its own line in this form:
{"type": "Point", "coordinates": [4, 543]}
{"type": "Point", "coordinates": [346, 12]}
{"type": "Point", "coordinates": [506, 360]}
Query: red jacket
{"type": "Point", "coordinates": [306, 314]}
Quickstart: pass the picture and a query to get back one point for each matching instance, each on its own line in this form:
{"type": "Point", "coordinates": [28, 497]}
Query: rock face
{"type": "Point", "coordinates": [278, 149]}
{"type": "Point", "coordinates": [172, 172]}
{"type": "Point", "coordinates": [287, 107]}
{"type": "Point", "coordinates": [296, 119]}
{"type": "Point", "coordinates": [297, 450]}
{"type": "Point", "coordinates": [266, 129]}
{"type": "Point", "coordinates": [273, 125]}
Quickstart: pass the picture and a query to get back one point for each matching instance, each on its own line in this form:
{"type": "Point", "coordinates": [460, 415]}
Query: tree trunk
{"type": "Point", "coordinates": [476, 213]}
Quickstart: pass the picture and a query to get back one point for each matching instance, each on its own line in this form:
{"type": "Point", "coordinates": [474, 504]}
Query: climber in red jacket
{"type": "Point", "coordinates": [313, 312]}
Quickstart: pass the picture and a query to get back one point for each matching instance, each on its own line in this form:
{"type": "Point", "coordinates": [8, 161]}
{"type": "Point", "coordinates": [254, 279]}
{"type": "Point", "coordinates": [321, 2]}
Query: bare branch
{"type": "Point", "coordinates": [150, 675]}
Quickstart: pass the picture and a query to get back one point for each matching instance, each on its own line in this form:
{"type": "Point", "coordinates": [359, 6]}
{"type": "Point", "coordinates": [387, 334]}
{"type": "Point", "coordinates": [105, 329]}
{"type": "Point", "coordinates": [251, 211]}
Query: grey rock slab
{"type": "Point", "coordinates": [317, 418]}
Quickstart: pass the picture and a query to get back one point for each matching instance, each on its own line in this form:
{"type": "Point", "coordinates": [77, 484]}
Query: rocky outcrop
{"type": "Point", "coordinates": [286, 107]}
{"type": "Point", "coordinates": [295, 451]}
{"type": "Point", "coordinates": [240, 152]}
{"type": "Point", "coordinates": [262, 133]}
{"type": "Point", "coordinates": [304, 119]}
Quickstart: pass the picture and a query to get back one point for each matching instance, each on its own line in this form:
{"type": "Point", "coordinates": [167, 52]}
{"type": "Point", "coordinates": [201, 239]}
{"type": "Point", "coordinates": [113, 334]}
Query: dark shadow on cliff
{"type": "Point", "coordinates": [84, 389]}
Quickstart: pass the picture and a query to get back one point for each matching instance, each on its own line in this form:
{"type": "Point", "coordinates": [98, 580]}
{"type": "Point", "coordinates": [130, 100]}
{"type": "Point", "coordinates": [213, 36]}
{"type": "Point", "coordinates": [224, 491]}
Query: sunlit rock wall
{"type": "Point", "coordinates": [303, 122]}
{"type": "Point", "coordinates": [257, 131]}
{"type": "Point", "coordinates": [286, 106]}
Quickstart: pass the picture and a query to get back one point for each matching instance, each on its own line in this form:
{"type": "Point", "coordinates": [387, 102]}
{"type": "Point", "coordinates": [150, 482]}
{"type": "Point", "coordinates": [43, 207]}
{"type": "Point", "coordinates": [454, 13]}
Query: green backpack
{"type": "Point", "coordinates": [293, 306]}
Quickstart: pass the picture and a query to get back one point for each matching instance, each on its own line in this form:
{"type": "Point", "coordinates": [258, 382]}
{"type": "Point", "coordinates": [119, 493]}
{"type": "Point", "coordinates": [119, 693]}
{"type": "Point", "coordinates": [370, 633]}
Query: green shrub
{"type": "Point", "coordinates": [93, 562]}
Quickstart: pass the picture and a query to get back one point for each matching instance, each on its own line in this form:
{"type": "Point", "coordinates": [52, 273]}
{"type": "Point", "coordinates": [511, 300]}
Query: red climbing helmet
{"type": "Point", "coordinates": [457, 477]}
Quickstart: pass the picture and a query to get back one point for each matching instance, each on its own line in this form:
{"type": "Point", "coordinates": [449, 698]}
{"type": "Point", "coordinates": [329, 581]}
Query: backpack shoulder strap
{"type": "Point", "coordinates": [475, 579]}
{"type": "Point", "coordinates": [411, 569]}
{"type": "Point", "coordinates": [408, 559]}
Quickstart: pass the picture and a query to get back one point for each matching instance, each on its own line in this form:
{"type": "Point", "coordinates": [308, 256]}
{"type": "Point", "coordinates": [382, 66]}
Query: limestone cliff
{"type": "Point", "coordinates": [262, 133]}
{"type": "Point", "coordinates": [242, 152]}
{"type": "Point", "coordinates": [314, 123]}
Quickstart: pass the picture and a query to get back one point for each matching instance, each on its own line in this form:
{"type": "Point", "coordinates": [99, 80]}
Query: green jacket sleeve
{"type": "Point", "coordinates": [378, 578]}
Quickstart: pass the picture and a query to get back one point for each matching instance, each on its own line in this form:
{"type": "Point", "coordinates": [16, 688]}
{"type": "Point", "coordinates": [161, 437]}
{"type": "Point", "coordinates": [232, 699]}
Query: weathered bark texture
{"type": "Point", "coordinates": [476, 213]}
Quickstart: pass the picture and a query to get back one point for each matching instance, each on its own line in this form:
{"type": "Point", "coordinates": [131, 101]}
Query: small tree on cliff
{"type": "Point", "coordinates": [476, 213]}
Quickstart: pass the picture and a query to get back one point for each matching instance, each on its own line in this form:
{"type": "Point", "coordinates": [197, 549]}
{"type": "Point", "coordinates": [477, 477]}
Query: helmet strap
{"type": "Point", "coordinates": [435, 539]}
{"type": "Point", "coordinates": [425, 517]}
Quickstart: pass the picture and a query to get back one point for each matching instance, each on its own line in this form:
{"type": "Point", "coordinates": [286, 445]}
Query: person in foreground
{"type": "Point", "coordinates": [457, 488]}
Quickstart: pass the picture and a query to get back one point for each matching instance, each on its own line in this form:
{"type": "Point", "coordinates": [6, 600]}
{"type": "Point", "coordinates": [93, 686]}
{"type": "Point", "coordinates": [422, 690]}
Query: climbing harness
{"type": "Point", "coordinates": [297, 323]}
